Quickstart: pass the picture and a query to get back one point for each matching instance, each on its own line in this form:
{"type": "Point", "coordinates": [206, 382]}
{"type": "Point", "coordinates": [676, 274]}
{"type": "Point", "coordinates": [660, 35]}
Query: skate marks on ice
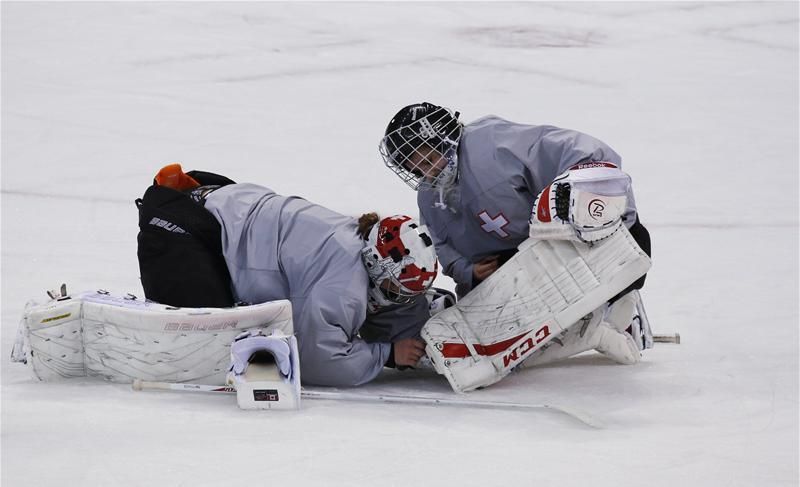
{"type": "Point", "coordinates": [532, 36]}
{"type": "Point", "coordinates": [310, 72]}
{"type": "Point", "coordinates": [757, 34]}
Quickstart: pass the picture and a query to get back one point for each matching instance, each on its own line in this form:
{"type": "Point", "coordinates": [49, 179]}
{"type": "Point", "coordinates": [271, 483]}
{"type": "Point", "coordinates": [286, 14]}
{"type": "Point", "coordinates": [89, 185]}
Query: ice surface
{"type": "Point", "coordinates": [701, 100]}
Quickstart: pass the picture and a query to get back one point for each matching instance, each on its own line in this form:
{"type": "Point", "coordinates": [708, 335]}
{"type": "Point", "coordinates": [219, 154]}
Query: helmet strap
{"type": "Point", "coordinates": [446, 181]}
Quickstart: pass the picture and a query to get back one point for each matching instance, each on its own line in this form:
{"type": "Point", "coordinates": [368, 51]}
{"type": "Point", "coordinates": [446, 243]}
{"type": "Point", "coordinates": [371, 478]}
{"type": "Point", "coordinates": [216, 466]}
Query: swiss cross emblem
{"type": "Point", "coordinates": [493, 224]}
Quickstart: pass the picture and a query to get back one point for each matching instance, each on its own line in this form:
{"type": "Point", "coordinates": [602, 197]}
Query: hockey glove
{"type": "Point", "coordinates": [585, 203]}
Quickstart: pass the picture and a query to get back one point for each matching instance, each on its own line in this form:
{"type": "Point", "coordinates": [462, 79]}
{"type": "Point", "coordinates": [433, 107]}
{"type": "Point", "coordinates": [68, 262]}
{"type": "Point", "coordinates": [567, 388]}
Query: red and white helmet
{"type": "Point", "coordinates": [400, 259]}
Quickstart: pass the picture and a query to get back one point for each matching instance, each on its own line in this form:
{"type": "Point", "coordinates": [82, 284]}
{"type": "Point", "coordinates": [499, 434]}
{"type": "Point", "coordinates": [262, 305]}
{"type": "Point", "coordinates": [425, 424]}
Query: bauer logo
{"type": "Point", "coordinates": [201, 326]}
{"type": "Point", "coordinates": [526, 347]}
{"type": "Point", "coordinates": [170, 227]}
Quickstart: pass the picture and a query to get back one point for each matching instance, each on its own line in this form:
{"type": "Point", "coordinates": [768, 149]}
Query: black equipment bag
{"type": "Point", "coordinates": [180, 248]}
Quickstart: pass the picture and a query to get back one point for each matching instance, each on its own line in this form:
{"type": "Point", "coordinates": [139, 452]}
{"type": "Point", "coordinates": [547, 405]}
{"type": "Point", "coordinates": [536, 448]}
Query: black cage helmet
{"type": "Point", "coordinates": [419, 129]}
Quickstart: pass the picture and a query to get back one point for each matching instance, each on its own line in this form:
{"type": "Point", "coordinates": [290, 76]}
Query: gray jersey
{"type": "Point", "coordinates": [279, 247]}
{"type": "Point", "coordinates": [502, 167]}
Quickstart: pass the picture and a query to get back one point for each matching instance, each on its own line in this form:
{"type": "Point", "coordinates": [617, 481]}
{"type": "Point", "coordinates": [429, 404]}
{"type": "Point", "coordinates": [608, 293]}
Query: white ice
{"type": "Point", "coordinates": [701, 99]}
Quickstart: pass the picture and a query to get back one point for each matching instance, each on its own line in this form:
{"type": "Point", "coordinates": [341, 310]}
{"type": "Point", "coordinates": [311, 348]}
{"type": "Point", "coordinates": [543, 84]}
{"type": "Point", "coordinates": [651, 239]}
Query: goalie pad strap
{"type": "Point", "coordinates": [462, 350]}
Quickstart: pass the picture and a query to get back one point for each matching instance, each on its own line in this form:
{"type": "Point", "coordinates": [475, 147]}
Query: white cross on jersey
{"type": "Point", "coordinates": [495, 224]}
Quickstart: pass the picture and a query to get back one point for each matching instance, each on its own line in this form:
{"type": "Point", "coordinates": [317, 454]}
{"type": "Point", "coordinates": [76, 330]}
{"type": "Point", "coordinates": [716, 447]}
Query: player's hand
{"type": "Point", "coordinates": [484, 267]}
{"type": "Point", "coordinates": [408, 351]}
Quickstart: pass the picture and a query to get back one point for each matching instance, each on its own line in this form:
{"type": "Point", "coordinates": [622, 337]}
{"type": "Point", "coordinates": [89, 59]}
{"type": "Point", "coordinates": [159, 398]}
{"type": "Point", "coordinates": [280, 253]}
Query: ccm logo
{"type": "Point", "coordinates": [527, 346]}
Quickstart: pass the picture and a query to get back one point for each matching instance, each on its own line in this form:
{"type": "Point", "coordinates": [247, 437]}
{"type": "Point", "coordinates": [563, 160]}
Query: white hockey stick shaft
{"type": "Point", "coordinates": [141, 385]}
{"type": "Point", "coordinates": [144, 385]}
{"type": "Point", "coordinates": [441, 401]}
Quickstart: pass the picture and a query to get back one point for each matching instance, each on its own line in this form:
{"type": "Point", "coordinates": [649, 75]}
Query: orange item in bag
{"type": "Point", "coordinates": [172, 176]}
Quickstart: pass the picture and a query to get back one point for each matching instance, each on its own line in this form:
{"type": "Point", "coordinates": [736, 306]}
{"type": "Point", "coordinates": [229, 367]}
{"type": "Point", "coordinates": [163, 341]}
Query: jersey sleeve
{"type": "Point", "coordinates": [559, 149]}
{"type": "Point", "coordinates": [546, 151]}
{"type": "Point", "coordinates": [396, 322]}
{"type": "Point", "coordinates": [454, 265]}
{"type": "Point", "coordinates": [331, 352]}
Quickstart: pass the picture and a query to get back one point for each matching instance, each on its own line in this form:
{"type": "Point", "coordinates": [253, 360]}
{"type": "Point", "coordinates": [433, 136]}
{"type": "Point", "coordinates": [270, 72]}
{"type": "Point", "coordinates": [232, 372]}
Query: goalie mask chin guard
{"type": "Point", "coordinates": [400, 260]}
{"type": "Point", "coordinates": [421, 144]}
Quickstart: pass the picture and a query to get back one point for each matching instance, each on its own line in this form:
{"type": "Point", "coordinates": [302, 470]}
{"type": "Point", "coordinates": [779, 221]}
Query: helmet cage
{"type": "Point", "coordinates": [424, 143]}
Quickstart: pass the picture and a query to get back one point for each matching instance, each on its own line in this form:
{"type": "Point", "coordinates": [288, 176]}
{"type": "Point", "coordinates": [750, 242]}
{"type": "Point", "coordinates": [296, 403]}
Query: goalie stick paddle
{"type": "Point", "coordinates": [141, 385]}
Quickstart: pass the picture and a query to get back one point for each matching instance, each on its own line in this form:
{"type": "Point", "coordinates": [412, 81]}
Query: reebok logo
{"type": "Point", "coordinates": [591, 164]}
{"type": "Point", "coordinates": [170, 227]}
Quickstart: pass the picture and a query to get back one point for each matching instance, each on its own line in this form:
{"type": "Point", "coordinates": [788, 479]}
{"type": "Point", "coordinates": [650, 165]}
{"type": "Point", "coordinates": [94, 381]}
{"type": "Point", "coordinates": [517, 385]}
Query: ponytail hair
{"type": "Point", "coordinates": [365, 224]}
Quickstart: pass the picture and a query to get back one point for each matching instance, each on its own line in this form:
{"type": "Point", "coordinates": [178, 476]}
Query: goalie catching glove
{"type": "Point", "coordinates": [585, 203]}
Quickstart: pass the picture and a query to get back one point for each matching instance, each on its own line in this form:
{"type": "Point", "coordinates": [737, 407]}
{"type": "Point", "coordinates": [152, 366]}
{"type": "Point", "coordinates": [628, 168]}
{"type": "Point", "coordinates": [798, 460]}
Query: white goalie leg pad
{"type": "Point", "coordinates": [122, 338]}
{"type": "Point", "coordinates": [543, 289]}
{"type": "Point", "coordinates": [265, 370]}
{"type": "Point", "coordinates": [50, 339]}
{"type": "Point", "coordinates": [640, 325]}
{"type": "Point", "coordinates": [592, 332]}
{"type": "Point", "coordinates": [127, 339]}
{"type": "Point", "coordinates": [579, 337]}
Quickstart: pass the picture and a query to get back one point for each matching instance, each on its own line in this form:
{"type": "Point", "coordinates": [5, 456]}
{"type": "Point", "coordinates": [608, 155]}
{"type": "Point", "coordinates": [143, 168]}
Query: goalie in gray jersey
{"type": "Point", "coordinates": [346, 278]}
{"type": "Point", "coordinates": [486, 187]}
{"type": "Point", "coordinates": [477, 183]}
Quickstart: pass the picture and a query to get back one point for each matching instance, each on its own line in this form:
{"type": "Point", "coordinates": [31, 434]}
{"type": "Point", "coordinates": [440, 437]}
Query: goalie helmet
{"type": "Point", "coordinates": [400, 259]}
{"type": "Point", "coordinates": [420, 145]}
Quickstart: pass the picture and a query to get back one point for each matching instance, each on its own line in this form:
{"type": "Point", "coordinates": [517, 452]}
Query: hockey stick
{"type": "Point", "coordinates": [141, 385]}
{"type": "Point", "coordinates": [674, 338]}
{"type": "Point", "coordinates": [144, 385]}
